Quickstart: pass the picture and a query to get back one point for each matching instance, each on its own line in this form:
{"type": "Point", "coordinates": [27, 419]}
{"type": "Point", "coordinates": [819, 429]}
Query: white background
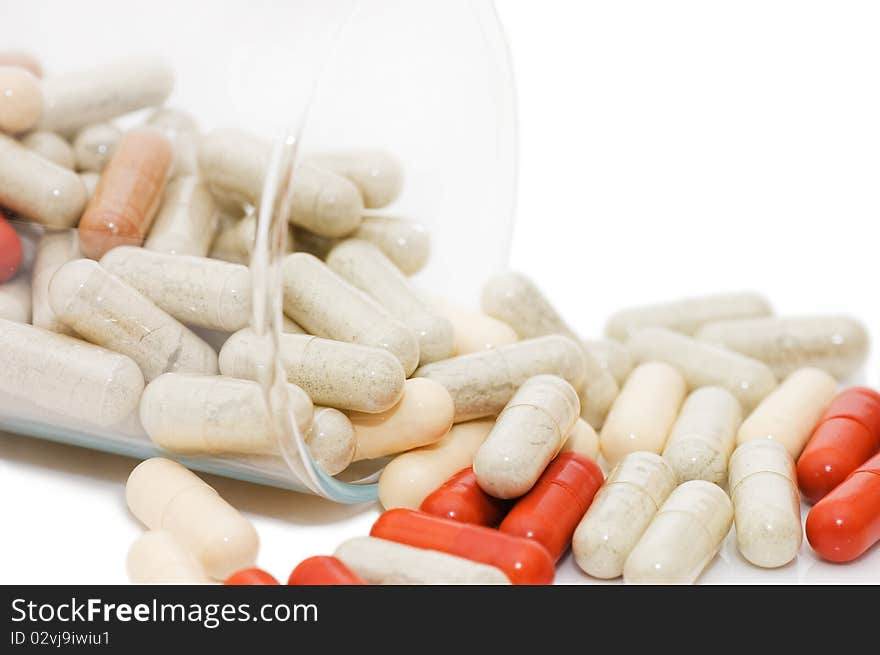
{"type": "Point", "coordinates": [667, 149]}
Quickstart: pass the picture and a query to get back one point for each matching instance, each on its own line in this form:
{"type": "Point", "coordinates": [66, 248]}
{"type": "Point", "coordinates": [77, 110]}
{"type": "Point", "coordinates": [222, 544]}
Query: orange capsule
{"type": "Point", "coordinates": [128, 194]}
{"type": "Point", "coordinates": [10, 250]}
{"type": "Point", "coordinates": [460, 498]}
{"type": "Point", "coordinates": [21, 59]}
{"type": "Point", "coordinates": [523, 561]}
{"type": "Point", "coordinates": [551, 511]}
{"type": "Point", "coordinates": [251, 577]}
{"type": "Point", "coordinates": [323, 570]}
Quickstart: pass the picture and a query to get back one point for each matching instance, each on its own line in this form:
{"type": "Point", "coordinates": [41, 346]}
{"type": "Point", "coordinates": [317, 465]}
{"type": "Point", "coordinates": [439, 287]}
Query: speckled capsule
{"type": "Point", "coordinates": [611, 356]}
{"type": "Point", "coordinates": [94, 145]}
{"type": "Point", "coordinates": [54, 249]}
{"type": "Point", "coordinates": [187, 220]}
{"type": "Point", "coordinates": [376, 173]}
{"type": "Point", "coordinates": [52, 147]}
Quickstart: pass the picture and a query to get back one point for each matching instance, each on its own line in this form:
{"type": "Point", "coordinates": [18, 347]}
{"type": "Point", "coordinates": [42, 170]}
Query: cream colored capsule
{"type": "Point", "coordinates": [21, 59]}
{"type": "Point", "coordinates": [290, 327]}
{"type": "Point", "coordinates": [620, 513]}
{"type": "Point", "coordinates": [482, 383]}
{"type": "Point", "coordinates": [791, 412]}
{"type": "Point", "coordinates": [15, 299]}
{"type": "Point", "coordinates": [528, 434]}
{"type": "Point", "coordinates": [379, 561]}
{"type": "Point", "coordinates": [66, 375]}
{"type": "Point", "coordinates": [688, 314]}
{"type": "Point", "coordinates": [683, 537]}
{"type": "Point", "coordinates": [213, 414]}
{"type": "Point", "coordinates": [21, 101]}
{"type": "Point", "coordinates": [766, 503]}
{"type": "Point", "coordinates": [107, 311]}
{"type": "Point", "coordinates": [836, 344]}
{"type": "Point", "coordinates": [423, 415]}
{"type": "Point", "coordinates": [52, 147]}
{"type": "Point", "coordinates": [705, 365]}
{"type": "Point", "coordinates": [367, 268]}
{"type": "Point", "coordinates": [234, 239]}
{"type": "Point", "coordinates": [90, 180]}
{"type": "Point", "coordinates": [194, 290]}
{"type": "Point", "coordinates": [54, 249]}
{"type": "Point", "coordinates": [582, 440]}
{"type": "Point", "coordinates": [94, 146]}
{"type": "Point", "coordinates": [612, 356]}
{"type": "Point", "coordinates": [473, 330]}
{"type": "Point", "coordinates": [408, 479]}
{"type": "Point", "coordinates": [331, 440]}
{"type": "Point", "coordinates": [163, 495]}
{"type": "Point", "coordinates": [233, 163]}
{"type": "Point", "coordinates": [85, 97]}
{"type": "Point", "coordinates": [326, 305]}
{"type": "Point", "coordinates": [181, 129]}
{"type": "Point", "coordinates": [376, 173]}
{"type": "Point", "coordinates": [703, 436]}
{"type": "Point", "coordinates": [38, 189]}
{"type": "Point", "coordinates": [334, 373]}
{"type": "Point", "coordinates": [187, 220]}
{"type": "Point", "coordinates": [158, 557]}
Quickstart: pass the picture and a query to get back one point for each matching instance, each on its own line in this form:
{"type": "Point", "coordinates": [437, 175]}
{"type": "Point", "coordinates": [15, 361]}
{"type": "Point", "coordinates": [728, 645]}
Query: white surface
{"type": "Point", "coordinates": [667, 149]}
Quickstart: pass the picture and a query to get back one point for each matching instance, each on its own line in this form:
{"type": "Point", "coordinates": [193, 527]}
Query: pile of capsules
{"type": "Point", "coordinates": [702, 406]}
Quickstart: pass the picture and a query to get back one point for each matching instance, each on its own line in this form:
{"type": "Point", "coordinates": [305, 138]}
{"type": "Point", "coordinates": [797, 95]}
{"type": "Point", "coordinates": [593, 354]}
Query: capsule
{"type": "Point", "coordinates": [380, 561]}
{"type": "Point", "coordinates": [334, 373]}
{"type": "Point", "coordinates": [107, 311]}
{"type": "Point", "coordinates": [235, 238]}
{"type": "Point", "coordinates": [408, 479]}
{"type": "Point", "coordinates": [11, 252]}
{"type": "Point", "coordinates": [77, 99]}
{"type": "Point", "coordinates": [157, 557]}
{"type": "Point", "coordinates": [181, 129]}
{"type": "Point", "coordinates": [460, 498]}
{"type": "Point", "coordinates": [128, 194]}
{"type": "Point", "coordinates": [846, 523]}
{"type": "Point", "coordinates": [214, 415]}
{"type": "Point", "coordinates": [327, 306]}
{"type": "Point", "coordinates": [767, 507]}
{"type": "Point", "coordinates": [21, 59]}
{"type": "Point", "coordinates": [49, 145]}
{"type": "Point", "coordinates": [620, 513]}
{"type": "Point", "coordinates": [365, 266]}
{"type": "Point", "coordinates": [331, 440]}
{"type": "Point", "coordinates": [791, 412]}
{"type": "Point", "coordinates": [377, 174]}
{"type": "Point", "coordinates": [94, 146]}
{"type": "Point", "coordinates": [21, 101]}
{"type": "Point", "coordinates": [687, 315]}
{"type": "Point", "coordinates": [194, 290]}
{"type": "Point", "coordinates": [612, 356]}
{"type": "Point", "coordinates": [847, 435]}
{"type": "Point", "coordinates": [66, 375]}
{"type": "Point", "coordinates": [523, 561]}
{"type": "Point", "coordinates": [644, 412]}
{"type": "Point", "coordinates": [187, 220]}
{"type": "Point", "coordinates": [90, 180]}
{"type": "Point", "coordinates": [528, 434]}
{"type": "Point", "coordinates": [323, 570]}
{"type": "Point", "coordinates": [15, 299]}
{"type": "Point", "coordinates": [683, 537]}
{"type": "Point", "coordinates": [516, 300]}
{"type": "Point", "coordinates": [54, 249]}
{"type": "Point", "coordinates": [554, 507]}
{"type": "Point", "coordinates": [582, 440]}
{"type": "Point", "coordinates": [705, 365]}
{"type": "Point", "coordinates": [482, 383]}
{"type": "Point", "coordinates": [423, 415]}
{"type": "Point", "coordinates": [251, 576]}
{"type": "Point", "coordinates": [473, 331]}
{"type": "Point", "coordinates": [704, 435]}
{"type": "Point", "coordinates": [163, 495]}
{"type": "Point", "coordinates": [38, 189]}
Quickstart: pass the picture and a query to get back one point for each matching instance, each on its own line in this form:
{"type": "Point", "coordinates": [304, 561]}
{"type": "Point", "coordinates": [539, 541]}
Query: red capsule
{"type": "Point", "coordinates": [847, 435]}
{"type": "Point", "coordinates": [10, 250]}
{"type": "Point", "coordinates": [251, 577]}
{"type": "Point", "coordinates": [460, 498]}
{"type": "Point", "coordinates": [846, 523]}
{"type": "Point", "coordinates": [323, 570]}
{"type": "Point", "coordinates": [522, 561]}
{"type": "Point", "coordinates": [551, 511]}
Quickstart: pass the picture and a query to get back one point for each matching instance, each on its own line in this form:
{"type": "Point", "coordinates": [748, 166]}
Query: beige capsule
{"type": "Point", "coordinates": [643, 414]}
{"type": "Point", "coordinates": [687, 315]}
{"type": "Point", "coordinates": [705, 365]}
{"type": "Point", "coordinates": [612, 356]}
{"type": "Point", "coordinates": [54, 249]}
{"type": "Point", "coordinates": [90, 180]}
{"type": "Point", "coordinates": [331, 440]}
{"type": "Point", "coordinates": [376, 173]}
{"type": "Point", "coordinates": [367, 268]}
{"type": "Point", "coordinates": [766, 503]}
{"type": "Point", "coordinates": [94, 145]}
{"type": "Point", "coordinates": [21, 59]}
{"type": "Point", "coordinates": [328, 306]}
{"type": "Point", "coordinates": [52, 147]}
{"type": "Point", "coordinates": [15, 299]}
{"type": "Point", "coordinates": [194, 290]}
{"type": "Point", "coordinates": [233, 163]}
{"type": "Point", "coordinates": [473, 331]}
{"type": "Point", "coordinates": [187, 220]}
{"type": "Point", "coordinates": [582, 440]}
{"type": "Point", "coordinates": [107, 311]}
{"type": "Point", "coordinates": [181, 129]}
{"type": "Point", "coordinates": [21, 100]}
{"type": "Point", "coordinates": [234, 238]}
{"type": "Point", "coordinates": [792, 411]}
{"type": "Point", "coordinates": [158, 557]}
{"type": "Point", "coordinates": [379, 561]}
{"type": "Point", "coordinates": [163, 495]}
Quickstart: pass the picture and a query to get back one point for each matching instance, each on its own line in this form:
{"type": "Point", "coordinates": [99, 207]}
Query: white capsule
{"type": "Point", "coordinates": [766, 503]}
{"type": "Point", "coordinates": [181, 129]}
{"type": "Point", "coordinates": [703, 436]}
{"type": "Point", "coordinates": [107, 311]}
{"type": "Point", "coordinates": [331, 440]}
{"type": "Point", "coordinates": [327, 306]}
{"type": "Point", "coordinates": [54, 249]}
{"type": "Point", "coordinates": [582, 440]}
{"type": "Point", "coordinates": [376, 173]}
{"type": "Point", "coordinates": [157, 557]}
{"type": "Point", "coordinates": [163, 495]}
{"type": "Point", "coordinates": [705, 365]}
{"type": "Point", "coordinates": [791, 412]}
{"type": "Point", "coordinates": [612, 356]}
{"type": "Point", "coordinates": [66, 375]}
{"type": "Point", "coordinates": [233, 163]}
{"type": "Point", "coordinates": [187, 220]}
{"type": "Point", "coordinates": [81, 98]}
{"type": "Point", "coordinates": [15, 299]}
{"type": "Point", "coordinates": [368, 269]}
{"type": "Point", "coordinates": [94, 146]}
{"type": "Point", "coordinates": [334, 373]}
{"type": "Point", "coordinates": [194, 290]}
{"type": "Point", "coordinates": [643, 414]}
{"type": "Point", "coordinates": [683, 538]}
{"type": "Point", "coordinates": [528, 434]}
{"type": "Point", "coordinates": [686, 315]}
{"type": "Point", "coordinates": [473, 330]}
{"type": "Point", "coordinates": [52, 147]}
{"type": "Point", "coordinates": [379, 561]}
{"type": "Point", "coordinates": [620, 513]}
